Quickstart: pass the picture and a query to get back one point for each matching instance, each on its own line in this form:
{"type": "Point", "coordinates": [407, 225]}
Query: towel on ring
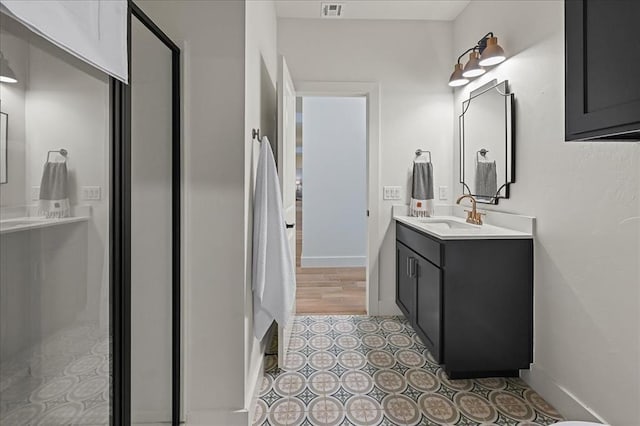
{"type": "Point", "coordinates": [274, 279]}
{"type": "Point", "coordinates": [422, 189]}
{"type": "Point", "coordinates": [54, 190]}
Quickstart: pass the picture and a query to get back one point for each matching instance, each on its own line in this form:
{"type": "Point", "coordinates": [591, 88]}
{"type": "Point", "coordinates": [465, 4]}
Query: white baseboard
{"type": "Point", "coordinates": [255, 382]}
{"type": "Point", "coordinates": [150, 417]}
{"type": "Point", "coordinates": [333, 261]}
{"type": "Point", "coordinates": [388, 308]}
{"type": "Point", "coordinates": [218, 417]}
{"type": "Point", "coordinates": [561, 398]}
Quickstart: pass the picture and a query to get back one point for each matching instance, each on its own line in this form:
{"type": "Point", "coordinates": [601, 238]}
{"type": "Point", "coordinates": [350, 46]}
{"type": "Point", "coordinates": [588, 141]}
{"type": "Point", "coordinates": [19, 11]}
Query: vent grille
{"type": "Point", "coordinates": [332, 10]}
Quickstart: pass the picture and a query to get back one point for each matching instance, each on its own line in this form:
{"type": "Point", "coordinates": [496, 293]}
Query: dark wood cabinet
{"type": "Point", "coordinates": [428, 318]}
{"type": "Point", "coordinates": [602, 65]}
{"type": "Point", "coordinates": [418, 295]}
{"type": "Point", "coordinates": [406, 287]}
{"type": "Point", "coordinates": [469, 301]}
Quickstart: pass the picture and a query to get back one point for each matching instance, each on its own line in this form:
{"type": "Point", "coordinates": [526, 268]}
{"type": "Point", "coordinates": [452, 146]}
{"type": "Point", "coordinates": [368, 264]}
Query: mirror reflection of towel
{"type": "Point", "coordinates": [486, 179]}
{"type": "Point", "coordinates": [422, 189]}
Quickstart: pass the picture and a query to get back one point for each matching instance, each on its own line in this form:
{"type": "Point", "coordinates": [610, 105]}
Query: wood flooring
{"type": "Point", "coordinates": [328, 290]}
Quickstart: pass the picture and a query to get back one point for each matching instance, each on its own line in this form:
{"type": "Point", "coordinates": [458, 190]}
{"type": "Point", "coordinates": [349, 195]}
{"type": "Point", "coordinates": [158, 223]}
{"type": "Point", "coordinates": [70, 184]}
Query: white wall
{"type": "Point", "coordinates": [261, 69]}
{"type": "Point", "coordinates": [586, 198]}
{"type": "Point", "coordinates": [409, 60]}
{"type": "Point", "coordinates": [334, 202]}
{"type": "Point", "coordinates": [229, 65]}
{"type": "Point", "coordinates": [15, 49]}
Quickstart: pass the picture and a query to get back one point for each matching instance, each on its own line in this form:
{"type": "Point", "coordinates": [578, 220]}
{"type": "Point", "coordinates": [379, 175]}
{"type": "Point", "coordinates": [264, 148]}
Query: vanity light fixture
{"type": "Point", "coordinates": [472, 67]}
{"type": "Point", "coordinates": [487, 52]}
{"type": "Point", "coordinates": [6, 73]}
{"type": "Point", "coordinates": [457, 79]}
{"type": "Point", "coordinates": [492, 54]}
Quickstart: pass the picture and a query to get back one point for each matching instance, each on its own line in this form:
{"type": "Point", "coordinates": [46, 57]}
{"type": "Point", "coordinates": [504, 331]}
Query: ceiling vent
{"type": "Point", "coordinates": [332, 10]}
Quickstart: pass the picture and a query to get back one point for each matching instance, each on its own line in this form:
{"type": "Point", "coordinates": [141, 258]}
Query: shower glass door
{"type": "Point", "coordinates": [55, 225]}
{"type": "Point", "coordinates": [154, 146]}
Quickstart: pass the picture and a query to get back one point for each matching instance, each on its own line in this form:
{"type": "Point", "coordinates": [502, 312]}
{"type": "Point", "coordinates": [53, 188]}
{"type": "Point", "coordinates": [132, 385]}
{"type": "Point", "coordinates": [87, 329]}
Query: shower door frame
{"type": "Point", "coordinates": [120, 235]}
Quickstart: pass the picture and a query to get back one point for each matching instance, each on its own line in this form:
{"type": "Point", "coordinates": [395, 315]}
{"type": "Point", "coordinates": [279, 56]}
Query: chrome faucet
{"type": "Point", "coordinates": [473, 216]}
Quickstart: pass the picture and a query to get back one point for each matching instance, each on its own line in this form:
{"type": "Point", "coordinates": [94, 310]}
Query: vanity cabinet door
{"type": "Point", "coordinates": [406, 281]}
{"type": "Point", "coordinates": [602, 64]}
{"type": "Point", "coordinates": [429, 306]}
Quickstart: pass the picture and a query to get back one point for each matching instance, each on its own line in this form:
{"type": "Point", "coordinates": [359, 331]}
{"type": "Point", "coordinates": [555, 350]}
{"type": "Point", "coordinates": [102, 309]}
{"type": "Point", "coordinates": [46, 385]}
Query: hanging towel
{"type": "Point", "coordinates": [422, 189]}
{"type": "Point", "coordinates": [486, 179]}
{"type": "Point", "coordinates": [274, 280]}
{"type": "Point", "coordinates": [54, 192]}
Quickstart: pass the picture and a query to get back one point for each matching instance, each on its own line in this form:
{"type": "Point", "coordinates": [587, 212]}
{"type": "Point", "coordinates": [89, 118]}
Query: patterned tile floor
{"type": "Point", "coordinates": [63, 381]}
{"type": "Point", "coordinates": [360, 370]}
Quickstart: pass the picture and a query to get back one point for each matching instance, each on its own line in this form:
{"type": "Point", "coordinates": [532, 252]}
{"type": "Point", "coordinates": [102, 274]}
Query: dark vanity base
{"type": "Point", "coordinates": [456, 375]}
{"type": "Point", "coordinates": [469, 301]}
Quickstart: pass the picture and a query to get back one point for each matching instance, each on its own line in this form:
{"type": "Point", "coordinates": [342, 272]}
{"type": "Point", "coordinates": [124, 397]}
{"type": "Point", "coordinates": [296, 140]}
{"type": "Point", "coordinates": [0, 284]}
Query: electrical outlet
{"type": "Point", "coordinates": [91, 193]}
{"type": "Point", "coordinates": [35, 193]}
{"type": "Point", "coordinates": [391, 193]}
{"type": "Point", "coordinates": [444, 192]}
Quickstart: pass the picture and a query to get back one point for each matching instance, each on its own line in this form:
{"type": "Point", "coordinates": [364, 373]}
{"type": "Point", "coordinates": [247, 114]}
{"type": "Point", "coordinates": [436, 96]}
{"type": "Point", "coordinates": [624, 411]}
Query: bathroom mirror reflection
{"type": "Point", "coordinates": [3, 147]}
{"type": "Point", "coordinates": [487, 128]}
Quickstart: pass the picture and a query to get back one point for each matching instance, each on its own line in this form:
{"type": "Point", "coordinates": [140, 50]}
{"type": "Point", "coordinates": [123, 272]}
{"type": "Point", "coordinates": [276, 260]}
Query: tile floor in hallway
{"type": "Point", "coordinates": [361, 370]}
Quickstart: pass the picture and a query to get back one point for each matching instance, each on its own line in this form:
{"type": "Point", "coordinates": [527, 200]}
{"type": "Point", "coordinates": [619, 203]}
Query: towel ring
{"type": "Point", "coordinates": [60, 151]}
{"type": "Point", "coordinates": [483, 153]}
{"type": "Point", "coordinates": [419, 152]}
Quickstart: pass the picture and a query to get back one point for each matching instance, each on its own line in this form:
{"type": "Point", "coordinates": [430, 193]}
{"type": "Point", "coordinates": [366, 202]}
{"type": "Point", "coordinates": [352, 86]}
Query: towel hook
{"type": "Point", "coordinates": [419, 152]}
{"type": "Point", "coordinates": [60, 151]}
{"type": "Point", "coordinates": [255, 135]}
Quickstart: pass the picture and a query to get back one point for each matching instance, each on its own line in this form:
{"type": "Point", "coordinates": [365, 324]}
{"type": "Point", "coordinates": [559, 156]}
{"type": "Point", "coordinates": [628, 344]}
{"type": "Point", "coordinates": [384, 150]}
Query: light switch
{"type": "Point", "coordinates": [35, 193]}
{"type": "Point", "coordinates": [444, 192]}
{"type": "Point", "coordinates": [391, 193]}
{"type": "Point", "coordinates": [91, 193]}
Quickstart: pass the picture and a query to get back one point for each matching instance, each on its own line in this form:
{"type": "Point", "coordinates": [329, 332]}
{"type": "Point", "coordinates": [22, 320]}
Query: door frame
{"type": "Point", "coordinates": [371, 91]}
{"type": "Point", "coordinates": [120, 233]}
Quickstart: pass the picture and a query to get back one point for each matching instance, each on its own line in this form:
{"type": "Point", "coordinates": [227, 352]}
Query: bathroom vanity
{"type": "Point", "coordinates": [467, 291]}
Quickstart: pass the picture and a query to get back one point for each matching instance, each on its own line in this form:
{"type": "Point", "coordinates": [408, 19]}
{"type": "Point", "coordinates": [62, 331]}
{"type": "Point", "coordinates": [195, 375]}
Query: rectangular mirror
{"type": "Point", "coordinates": [487, 128]}
{"type": "Point", "coordinates": [4, 118]}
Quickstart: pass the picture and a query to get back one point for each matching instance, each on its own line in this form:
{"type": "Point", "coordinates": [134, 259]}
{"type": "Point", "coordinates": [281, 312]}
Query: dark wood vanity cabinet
{"type": "Point", "coordinates": [469, 301]}
{"type": "Point", "coordinates": [418, 296]}
{"type": "Point", "coordinates": [602, 65]}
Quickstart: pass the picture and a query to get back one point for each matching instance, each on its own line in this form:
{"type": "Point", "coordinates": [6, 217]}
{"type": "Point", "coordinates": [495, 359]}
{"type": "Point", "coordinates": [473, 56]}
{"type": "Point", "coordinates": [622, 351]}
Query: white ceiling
{"type": "Point", "coordinates": [433, 10]}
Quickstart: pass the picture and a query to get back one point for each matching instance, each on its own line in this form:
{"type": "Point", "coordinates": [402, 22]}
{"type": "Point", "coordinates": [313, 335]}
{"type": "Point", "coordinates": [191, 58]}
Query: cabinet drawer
{"type": "Point", "coordinates": [420, 243]}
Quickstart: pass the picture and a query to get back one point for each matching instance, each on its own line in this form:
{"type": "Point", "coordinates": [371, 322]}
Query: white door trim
{"type": "Point", "coordinates": [371, 91]}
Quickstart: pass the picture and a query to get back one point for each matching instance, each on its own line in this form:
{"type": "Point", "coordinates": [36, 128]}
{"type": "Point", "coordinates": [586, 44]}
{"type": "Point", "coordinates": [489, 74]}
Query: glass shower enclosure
{"type": "Point", "coordinates": [89, 233]}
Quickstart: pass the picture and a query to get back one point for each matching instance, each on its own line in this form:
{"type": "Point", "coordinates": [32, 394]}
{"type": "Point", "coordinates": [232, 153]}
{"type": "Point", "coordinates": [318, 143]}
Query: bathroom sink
{"type": "Point", "coordinates": [449, 224]}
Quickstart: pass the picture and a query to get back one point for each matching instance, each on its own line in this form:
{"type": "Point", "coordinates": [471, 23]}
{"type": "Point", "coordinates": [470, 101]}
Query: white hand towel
{"type": "Point", "coordinates": [422, 189]}
{"type": "Point", "coordinates": [274, 280]}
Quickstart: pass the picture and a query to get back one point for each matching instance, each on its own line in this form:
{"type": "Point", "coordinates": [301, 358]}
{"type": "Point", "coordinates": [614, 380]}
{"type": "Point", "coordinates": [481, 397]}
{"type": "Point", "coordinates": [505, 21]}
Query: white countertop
{"type": "Point", "coordinates": [29, 223]}
{"type": "Point", "coordinates": [25, 218]}
{"type": "Point", "coordinates": [456, 228]}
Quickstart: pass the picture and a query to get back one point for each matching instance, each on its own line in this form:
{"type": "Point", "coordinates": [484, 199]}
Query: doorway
{"type": "Point", "coordinates": [331, 204]}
